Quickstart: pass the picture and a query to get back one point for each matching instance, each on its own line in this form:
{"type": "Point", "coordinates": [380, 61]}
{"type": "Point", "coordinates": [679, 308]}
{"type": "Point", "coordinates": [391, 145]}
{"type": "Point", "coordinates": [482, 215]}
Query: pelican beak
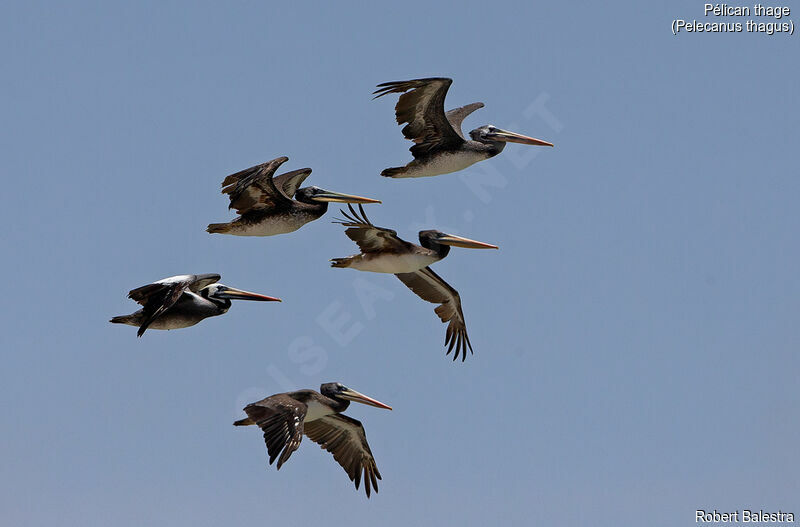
{"type": "Point", "coordinates": [363, 399]}
{"type": "Point", "coordinates": [238, 294]}
{"type": "Point", "coordinates": [336, 197]}
{"type": "Point", "coordinates": [511, 137]}
{"type": "Point", "coordinates": [458, 241]}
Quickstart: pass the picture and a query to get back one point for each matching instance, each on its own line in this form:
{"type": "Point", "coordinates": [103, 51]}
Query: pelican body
{"type": "Point", "coordinates": [183, 301]}
{"type": "Point", "coordinates": [433, 246]}
{"type": "Point", "coordinates": [286, 417]}
{"type": "Point", "coordinates": [382, 251]}
{"type": "Point", "coordinates": [264, 202]}
{"type": "Point", "coordinates": [440, 145]}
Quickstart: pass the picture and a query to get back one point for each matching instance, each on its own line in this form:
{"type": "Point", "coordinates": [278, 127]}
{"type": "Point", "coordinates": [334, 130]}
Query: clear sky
{"type": "Point", "coordinates": [636, 337]}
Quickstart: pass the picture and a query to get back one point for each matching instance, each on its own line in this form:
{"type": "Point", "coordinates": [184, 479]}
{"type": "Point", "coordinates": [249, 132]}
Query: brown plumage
{"type": "Point", "coordinates": [255, 187]}
{"type": "Point", "coordinates": [373, 241]}
{"type": "Point", "coordinates": [285, 417]}
{"type": "Point", "coordinates": [257, 196]}
{"type": "Point", "coordinates": [421, 109]}
{"type": "Point", "coordinates": [440, 146]}
{"type": "Point", "coordinates": [384, 252]}
{"type": "Point", "coordinates": [158, 297]}
{"type": "Point", "coordinates": [183, 301]}
{"type": "Point", "coordinates": [270, 205]}
{"type": "Point", "coordinates": [430, 287]}
{"type": "Point", "coordinates": [344, 437]}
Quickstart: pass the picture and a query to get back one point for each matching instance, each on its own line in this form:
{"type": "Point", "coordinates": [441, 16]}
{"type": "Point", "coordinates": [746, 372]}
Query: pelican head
{"type": "Point", "coordinates": [340, 392]}
{"type": "Point", "coordinates": [225, 293]}
{"type": "Point", "coordinates": [433, 237]}
{"type": "Point", "coordinates": [316, 194]}
{"type": "Point", "coordinates": [491, 134]}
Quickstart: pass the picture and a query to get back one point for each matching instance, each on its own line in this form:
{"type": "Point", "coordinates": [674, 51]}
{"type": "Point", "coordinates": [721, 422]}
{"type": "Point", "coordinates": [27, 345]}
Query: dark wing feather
{"type": "Point", "coordinates": [156, 298]}
{"type": "Point", "coordinates": [143, 294]}
{"type": "Point", "coordinates": [281, 419]}
{"type": "Point", "coordinates": [289, 182]}
{"type": "Point", "coordinates": [344, 437]}
{"type": "Point", "coordinates": [431, 287]}
{"type": "Point", "coordinates": [370, 239]}
{"type": "Point", "coordinates": [421, 106]}
{"type": "Point", "coordinates": [254, 189]}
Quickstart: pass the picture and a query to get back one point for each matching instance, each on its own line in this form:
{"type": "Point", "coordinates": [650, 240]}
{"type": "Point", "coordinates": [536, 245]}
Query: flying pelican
{"type": "Point", "coordinates": [382, 251]}
{"type": "Point", "coordinates": [182, 301]}
{"type": "Point", "coordinates": [285, 417]}
{"type": "Point", "coordinates": [264, 203]}
{"type": "Point", "coordinates": [440, 146]}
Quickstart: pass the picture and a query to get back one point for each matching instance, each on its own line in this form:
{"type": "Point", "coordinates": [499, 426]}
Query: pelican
{"type": "Point", "coordinates": [264, 203]}
{"type": "Point", "coordinates": [382, 251]}
{"type": "Point", "coordinates": [441, 147]}
{"type": "Point", "coordinates": [182, 301]}
{"type": "Point", "coordinates": [285, 417]}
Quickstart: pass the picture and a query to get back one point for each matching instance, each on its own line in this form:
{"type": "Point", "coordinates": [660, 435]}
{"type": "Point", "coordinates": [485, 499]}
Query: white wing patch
{"type": "Point", "coordinates": [316, 411]}
{"type": "Point", "coordinates": [176, 279]}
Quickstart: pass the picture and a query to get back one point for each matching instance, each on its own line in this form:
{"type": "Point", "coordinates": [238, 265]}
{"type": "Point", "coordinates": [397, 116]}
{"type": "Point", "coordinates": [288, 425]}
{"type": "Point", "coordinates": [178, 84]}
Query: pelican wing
{"type": "Point", "coordinates": [289, 182]}
{"type": "Point", "coordinates": [431, 287]}
{"type": "Point", "coordinates": [281, 419]}
{"type": "Point", "coordinates": [254, 189]}
{"type": "Point", "coordinates": [421, 108]}
{"type": "Point", "coordinates": [203, 280]}
{"type": "Point", "coordinates": [344, 437]}
{"type": "Point", "coordinates": [456, 116]}
{"type": "Point", "coordinates": [157, 297]}
{"type": "Point", "coordinates": [370, 239]}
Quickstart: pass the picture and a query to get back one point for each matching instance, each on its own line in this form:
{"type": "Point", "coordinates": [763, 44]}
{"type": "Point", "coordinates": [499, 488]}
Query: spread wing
{"type": "Point", "coordinates": [254, 189]}
{"type": "Point", "coordinates": [370, 239]}
{"type": "Point", "coordinates": [289, 182]}
{"type": "Point", "coordinates": [157, 297]}
{"type": "Point", "coordinates": [203, 280]}
{"type": "Point", "coordinates": [431, 287]}
{"type": "Point", "coordinates": [421, 108]}
{"type": "Point", "coordinates": [344, 437]}
{"type": "Point", "coordinates": [281, 419]}
{"type": "Point", "coordinates": [456, 116]}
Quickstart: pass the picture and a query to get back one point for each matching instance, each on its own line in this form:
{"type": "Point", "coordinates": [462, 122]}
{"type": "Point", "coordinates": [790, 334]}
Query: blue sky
{"type": "Point", "coordinates": [635, 337]}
